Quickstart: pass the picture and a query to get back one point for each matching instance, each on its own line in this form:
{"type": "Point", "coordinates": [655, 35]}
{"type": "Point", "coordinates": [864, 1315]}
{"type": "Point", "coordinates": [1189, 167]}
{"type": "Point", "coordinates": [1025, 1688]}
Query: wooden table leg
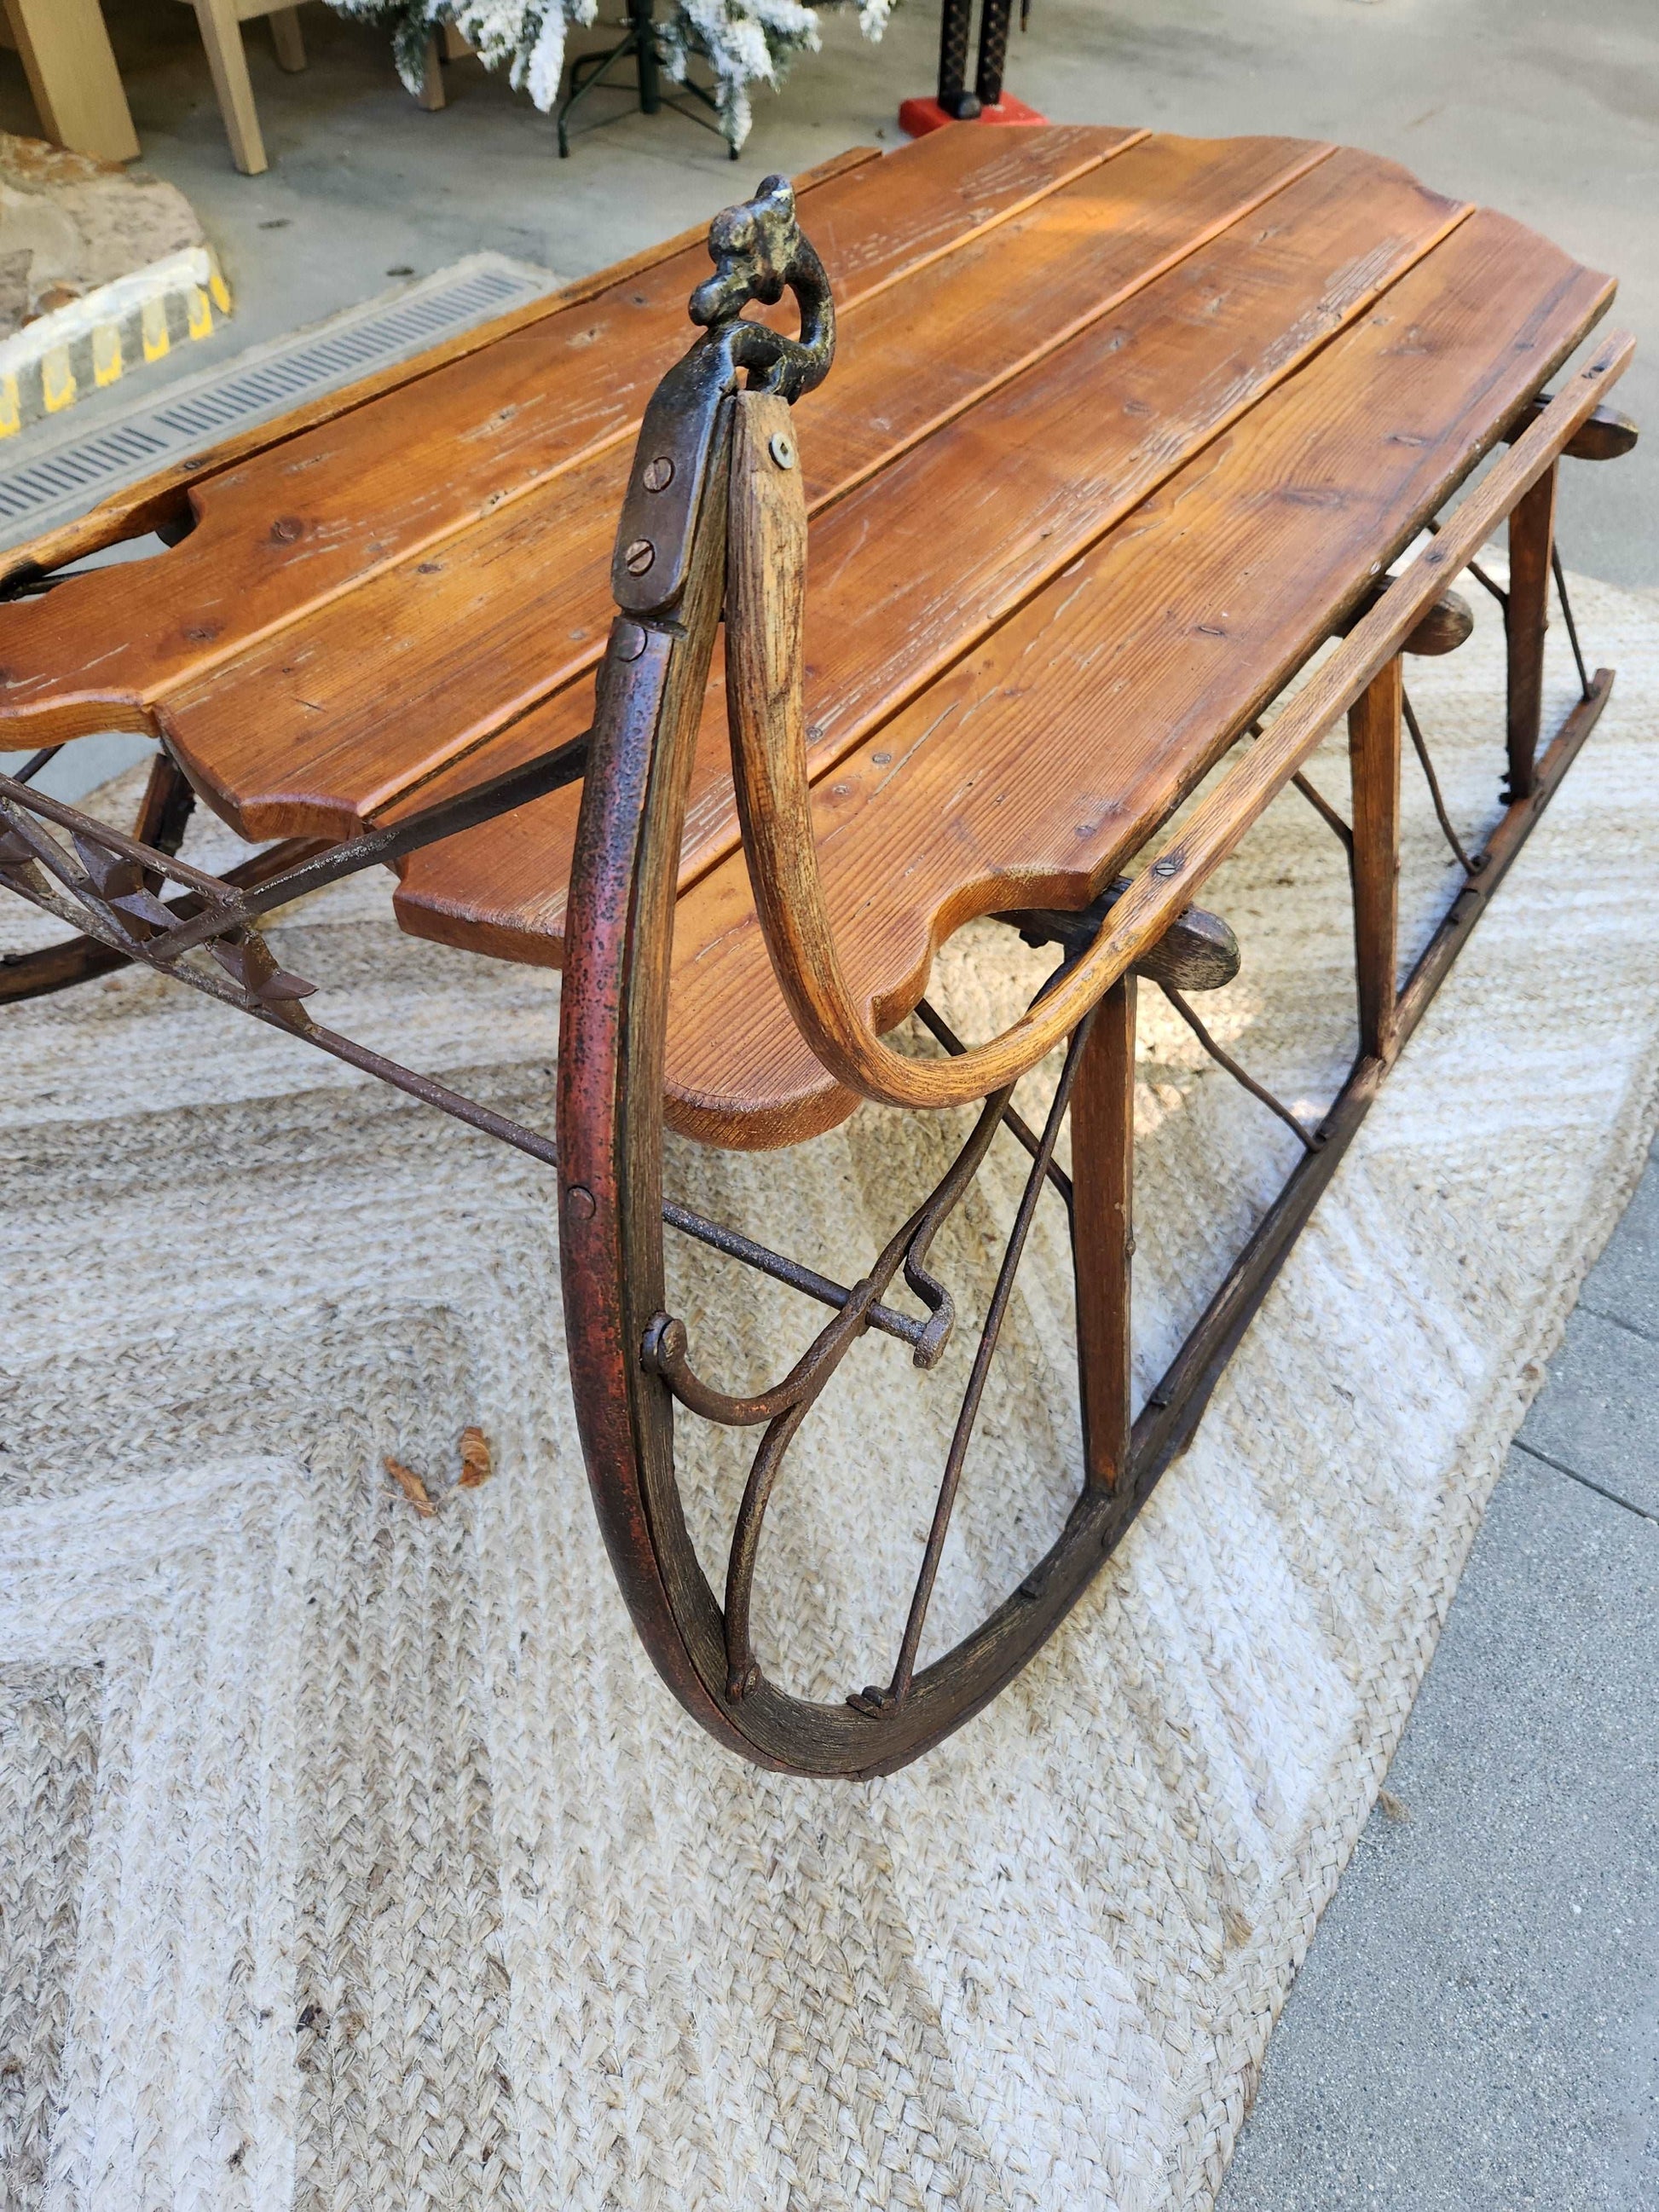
{"type": "Point", "coordinates": [1103, 1231]}
{"type": "Point", "coordinates": [222, 34]}
{"type": "Point", "coordinates": [1374, 761]}
{"type": "Point", "coordinates": [289, 38]}
{"type": "Point", "coordinates": [73, 79]}
{"type": "Point", "coordinates": [1526, 617]}
{"type": "Point", "coordinates": [431, 95]}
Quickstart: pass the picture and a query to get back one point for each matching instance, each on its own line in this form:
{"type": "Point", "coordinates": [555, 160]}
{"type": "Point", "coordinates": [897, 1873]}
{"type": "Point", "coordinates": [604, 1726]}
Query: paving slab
{"type": "Point", "coordinates": [1476, 2026]}
{"type": "Point", "coordinates": [1627, 1285]}
{"type": "Point", "coordinates": [1598, 1415]}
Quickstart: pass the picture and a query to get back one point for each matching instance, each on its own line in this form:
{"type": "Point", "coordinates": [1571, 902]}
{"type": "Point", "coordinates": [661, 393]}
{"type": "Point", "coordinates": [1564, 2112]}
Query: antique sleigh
{"type": "Point", "coordinates": [1129, 428]}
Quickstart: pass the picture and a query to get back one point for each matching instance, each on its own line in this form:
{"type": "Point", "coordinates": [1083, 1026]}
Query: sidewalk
{"type": "Point", "coordinates": [1476, 2027]}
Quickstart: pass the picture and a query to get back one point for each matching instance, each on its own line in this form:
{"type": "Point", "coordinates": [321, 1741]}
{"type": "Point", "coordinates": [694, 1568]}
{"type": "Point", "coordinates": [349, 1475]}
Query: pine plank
{"type": "Point", "coordinates": [1031, 772]}
{"type": "Point", "coordinates": [910, 568]}
{"type": "Point", "coordinates": [135, 509]}
{"type": "Point", "coordinates": [475, 644]}
{"type": "Point", "coordinates": [288, 529]}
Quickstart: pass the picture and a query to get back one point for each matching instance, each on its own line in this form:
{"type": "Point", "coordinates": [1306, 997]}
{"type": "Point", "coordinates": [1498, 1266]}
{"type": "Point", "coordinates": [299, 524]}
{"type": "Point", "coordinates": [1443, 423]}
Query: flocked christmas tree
{"type": "Point", "coordinates": [744, 42]}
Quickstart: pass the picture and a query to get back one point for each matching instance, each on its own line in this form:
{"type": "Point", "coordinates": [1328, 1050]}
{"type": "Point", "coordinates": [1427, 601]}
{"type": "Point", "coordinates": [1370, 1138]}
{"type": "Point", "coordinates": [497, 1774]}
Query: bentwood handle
{"type": "Point", "coordinates": [765, 595]}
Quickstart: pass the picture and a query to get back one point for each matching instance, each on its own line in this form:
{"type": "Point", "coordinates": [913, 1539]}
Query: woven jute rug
{"type": "Point", "coordinates": [355, 1858]}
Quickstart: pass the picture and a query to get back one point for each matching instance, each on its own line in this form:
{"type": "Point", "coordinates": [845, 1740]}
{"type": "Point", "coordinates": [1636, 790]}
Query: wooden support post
{"type": "Point", "coordinates": [222, 34]}
{"type": "Point", "coordinates": [1374, 761]}
{"type": "Point", "coordinates": [431, 95]}
{"type": "Point", "coordinates": [1103, 1231]}
{"type": "Point", "coordinates": [73, 79]}
{"type": "Point", "coordinates": [1526, 617]}
{"type": "Point", "coordinates": [288, 39]}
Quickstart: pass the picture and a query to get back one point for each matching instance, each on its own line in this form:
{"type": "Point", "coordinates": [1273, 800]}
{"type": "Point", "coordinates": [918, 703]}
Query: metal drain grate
{"type": "Point", "coordinates": [54, 481]}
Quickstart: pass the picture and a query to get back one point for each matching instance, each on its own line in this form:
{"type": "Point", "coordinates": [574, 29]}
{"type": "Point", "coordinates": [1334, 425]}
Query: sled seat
{"type": "Point", "coordinates": [1123, 426]}
{"type": "Point", "coordinates": [1035, 630]}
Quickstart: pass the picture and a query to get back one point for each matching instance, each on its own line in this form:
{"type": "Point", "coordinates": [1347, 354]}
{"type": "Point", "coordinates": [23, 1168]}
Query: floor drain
{"type": "Point", "coordinates": [61, 476]}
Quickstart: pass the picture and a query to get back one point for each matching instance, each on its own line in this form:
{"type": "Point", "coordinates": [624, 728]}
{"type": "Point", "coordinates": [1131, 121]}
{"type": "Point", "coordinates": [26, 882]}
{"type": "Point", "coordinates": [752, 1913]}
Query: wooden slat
{"type": "Point", "coordinates": [1019, 779]}
{"type": "Point", "coordinates": [908, 570]}
{"type": "Point", "coordinates": [475, 644]}
{"type": "Point", "coordinates": [289, 530]}
{"type": "Point", "coordinates": [135, 509]}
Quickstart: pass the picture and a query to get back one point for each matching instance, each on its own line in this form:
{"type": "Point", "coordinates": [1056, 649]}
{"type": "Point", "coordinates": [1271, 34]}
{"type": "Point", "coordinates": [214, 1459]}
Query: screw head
{"type": "Point", "coordinates": [782, 447]}
{"type": "Point", "coordinates": [579, 1202]}
{"type": "Point", "coordinates": [639, 556]}
{"type": "Point", "coordinates": [659, 474]}
{"type": "Point", "coordinates": [628, 641]}
{"type": "Point", "coordinates": [1170, 865]}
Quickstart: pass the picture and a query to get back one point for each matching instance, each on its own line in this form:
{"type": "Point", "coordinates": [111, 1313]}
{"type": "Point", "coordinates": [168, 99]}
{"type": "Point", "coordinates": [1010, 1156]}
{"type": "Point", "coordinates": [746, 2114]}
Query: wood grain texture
{"type": "Point", "coordinates": [1129, 676]}
{"type": "Point", "coordinates": [136, 509]}
{"type": "Point", "coordinates": [288, 530]}
{"type": "Point", "coordinates": [1102, 1231]}
{"type": "Point", "coordinates": [1374, 763]}
{"type": "Point", "coordinates": [476, 647]}
{"type": "Point", "coordinates": [951, 537]}
{"type": "Point", "coordinates": [1526, 618]}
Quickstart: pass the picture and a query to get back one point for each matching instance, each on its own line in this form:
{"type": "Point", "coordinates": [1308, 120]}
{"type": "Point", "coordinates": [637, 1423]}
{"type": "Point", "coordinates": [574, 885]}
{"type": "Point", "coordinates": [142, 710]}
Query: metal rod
{"type": "Point", "coordinates": [515, 786]}
{"type": "Point", "coordinates": [1224, 1059]}
{"type": "Point", "coordinates": [1481, 577]}
{"type": "Point", "coordinates": [1170, 1419]}
{"type": "Point", "coordinates": [765, 1261]}
{"type": "Point", "coordinates": [100, 833]}
{"type": "Point", "coordinates": [1015, 1124]}
{"type": "Point", "coordinates": [984, 1352]}
{"type": "Point", "coordinates": [78, 959]}
{"type": "Point", "coordinates": [36, 762]}
{"type": "Point", "coordinates": [1469, 866]}
{"type": "Point", "coordinates": [1326, 813]}
{"type": "Point", "coordinates": [1566, 612]}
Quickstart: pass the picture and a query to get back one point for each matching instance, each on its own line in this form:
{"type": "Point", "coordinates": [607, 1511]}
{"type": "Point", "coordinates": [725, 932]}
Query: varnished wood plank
{"type": "Point", "coordinates": [1102, 1231]}
{"type": "Point", "coordinates": [476, 647]}
{"type": "Point", "coordinates": [288, 529]}
{"type": "Point", "coordinates": [1197, 611]}
{"type": "Point", "coordinates": [1526, 618]}
{"type": "Point", "coordinates": [955, 535]}
{"type": "Point", "coordinates": [136, 509]}
{"type": "Point", "coordinates": [1374, 762]}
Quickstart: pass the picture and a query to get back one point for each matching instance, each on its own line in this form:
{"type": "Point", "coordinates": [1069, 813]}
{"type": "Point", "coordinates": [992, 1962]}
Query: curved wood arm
{"type": "Point", "coordinates": [765, 605]}
{"type": "Point", "coordinates": [766, 573]}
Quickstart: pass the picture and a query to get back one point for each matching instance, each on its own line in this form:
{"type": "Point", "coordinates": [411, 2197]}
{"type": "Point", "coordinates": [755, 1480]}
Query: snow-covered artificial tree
{"type": "Point", "coordinates": [743, 42]}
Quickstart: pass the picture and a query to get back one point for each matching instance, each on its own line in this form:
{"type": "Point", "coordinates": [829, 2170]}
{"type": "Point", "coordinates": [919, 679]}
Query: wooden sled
{"type": "Point", "coordinates": [1057, 579]}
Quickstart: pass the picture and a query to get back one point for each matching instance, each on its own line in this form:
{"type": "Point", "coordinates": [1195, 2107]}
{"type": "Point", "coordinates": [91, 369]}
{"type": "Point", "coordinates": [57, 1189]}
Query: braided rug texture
{"type": "Point", "coordinates": [355, 1859]}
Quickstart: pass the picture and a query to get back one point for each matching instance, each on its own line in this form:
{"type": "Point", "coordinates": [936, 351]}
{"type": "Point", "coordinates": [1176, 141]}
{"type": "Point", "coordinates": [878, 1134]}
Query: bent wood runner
{"type": "Point", "coordinates": [1095, 442]}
